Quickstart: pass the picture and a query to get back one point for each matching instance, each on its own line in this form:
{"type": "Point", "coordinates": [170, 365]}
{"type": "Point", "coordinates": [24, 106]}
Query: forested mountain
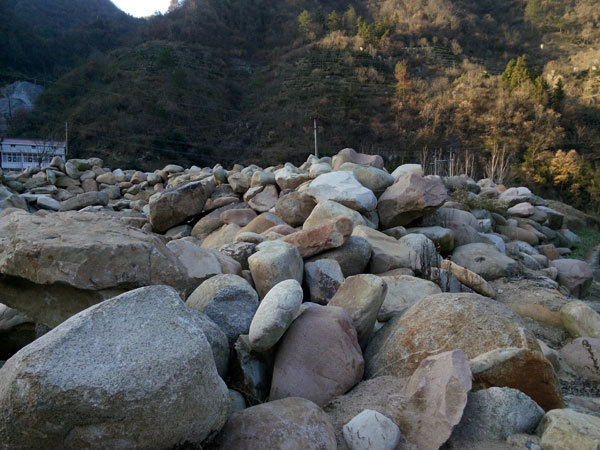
{"type": "Point", "coordinates": [510, 89]}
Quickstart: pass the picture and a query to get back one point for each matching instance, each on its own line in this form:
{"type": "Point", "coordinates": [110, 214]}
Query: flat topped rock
{"type": "Point", "coordinates": [55, 265]}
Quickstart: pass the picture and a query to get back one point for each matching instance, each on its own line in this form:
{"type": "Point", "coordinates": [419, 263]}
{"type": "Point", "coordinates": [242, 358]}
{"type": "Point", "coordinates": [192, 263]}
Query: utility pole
{"type": "Point", "coordinates": [316, 147]}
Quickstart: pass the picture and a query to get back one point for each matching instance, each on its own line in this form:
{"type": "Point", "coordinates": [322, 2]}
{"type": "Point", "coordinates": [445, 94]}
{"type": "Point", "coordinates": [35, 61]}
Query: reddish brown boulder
{"type": "Point", "coordinates": [312, 241]}
{"type": "Point", "coordinates": [318, 357]}
{"type": "Point", "coordinates": [350, 155]}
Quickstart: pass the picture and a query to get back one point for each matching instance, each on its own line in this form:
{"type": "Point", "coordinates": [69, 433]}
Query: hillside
{"type": "Point", "coordinates": [223, 80]}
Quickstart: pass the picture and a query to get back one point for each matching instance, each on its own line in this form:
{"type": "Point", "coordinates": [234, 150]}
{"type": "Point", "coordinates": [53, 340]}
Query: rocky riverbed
{"type": "Point", "coordinates": [331, 305]}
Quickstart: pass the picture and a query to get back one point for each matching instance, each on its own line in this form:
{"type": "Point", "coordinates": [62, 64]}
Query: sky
{"type": "Point", "coordinates": [142, 8]}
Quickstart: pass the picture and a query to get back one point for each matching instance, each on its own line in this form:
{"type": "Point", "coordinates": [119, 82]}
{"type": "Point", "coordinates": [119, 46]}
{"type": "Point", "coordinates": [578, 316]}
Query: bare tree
{"type": "Point", "coordinates": [425, 156]}
{"type": "Point", "coordinates": [498, 163]}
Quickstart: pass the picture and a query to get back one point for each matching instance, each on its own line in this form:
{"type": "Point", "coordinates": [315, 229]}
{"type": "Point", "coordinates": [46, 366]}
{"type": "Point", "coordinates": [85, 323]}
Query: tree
{"type": "Point", "coordinates": [534, 12]}
{"type": "Point", "coordinates": [334, 22]}
{"type": "Point", "coordinates": [557, 98]}
{"type": "Point", "coordinates": [350, 20]}
{"type": "Point", "coordinates": [306, 25]}
{"type": "Point", "coordinates": [173, 5]}
{"type": "Point", "coordinates": [403, 82]}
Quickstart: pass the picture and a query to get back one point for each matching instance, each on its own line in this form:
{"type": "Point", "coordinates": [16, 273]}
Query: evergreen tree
{"type": "Point", "coordinates": [334, 22]}
{"type": "Point", "coordinates": [557, 98]}
{"type": "Point", "coordinates": [350, 20]}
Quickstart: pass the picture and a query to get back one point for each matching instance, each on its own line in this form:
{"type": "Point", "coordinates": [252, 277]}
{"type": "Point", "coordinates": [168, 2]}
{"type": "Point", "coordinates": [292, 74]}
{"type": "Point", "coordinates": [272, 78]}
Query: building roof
{"type": "Point", "coordinates": [31, 142]}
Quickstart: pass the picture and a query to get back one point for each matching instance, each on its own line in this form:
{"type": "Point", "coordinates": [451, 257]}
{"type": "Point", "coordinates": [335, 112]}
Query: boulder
{"type": "Point", "coordinates": [227, 300]}
{"type": "Point", "coordinates": [469, 279]}
{"type": "Point", "coordinates": [362, 296]}
{"type": "Point", "coordinates": [350, 155]}
{"type": "Point", "coordinates": [275, 261]}
{"type": "Point", "coordinates": [212, 221]}
{"type": "Point", "coordinates": [201, 263]}
{"type": "Point", "coordinates": [225, 235]}
{"type": "Point", "coordinates": [265, 199]}
{"type": "Point", "coordinates": [377, 180]}
{"type": "Point", "coordinates": [95, 382]}
{"type": "Point", "coordinates": [496, 413]}
{"type": "Point", "coordinates": [240, 252]}
{"type": "Point", "coordinates": [83, 200]}
{"type": "Point", "coordinates": [417, 169]}
{"type": "Point", "coordinates": [290, 423]}
{"type": "Point", "coordinates": [323, 278]}
{"type": "Point", "coordinates": [583, 356]}
{"type": "Point", "coordinates": [434, 399]}
{"type": "Point", "coordinates": [290, 177]}
{"type": "Point", "coordinates": [575, 275]}
{"type": "Point", "coordinates": [565, 429]}
{"type": "Point", "coordinates": [521, 368]}
{"type": "Point", "coordinates": [352, 257]}
{"type": "Point", "coordinates": [403, 291]}
{"type": "Point", "coordinates": [312, 241]}
{"type": "Point", "coordinates": [371, 429]}
{"type": "Point", "coordinates": [580, 320]}
{"type": "Point", "coordinates": [275, 313]}
{"type": "Point", "coordinates": [327, 210]}
{"type": "Point", "coordinates": [453, 319]}
{"type": "Point", "coordinates": [240, 217]}
{"type": "Point", "coordinates": [262, 223]}
{"type": "Point", "coordinates": [294, 208]}
{"type": "Point", "coordinates": [178, 204]}
{"type": "Point", "coordinates": [524, 209]}
{"type": "Point", "coordinates": [16, 331]}
{"type": "Point", "coordinates": [518, 234]}
{"type": "Point", "coordinates": [485, 260]}
{"type": "Point", "coordinates": [55, 265]}
{"type": "Point", "coordinates": [250, 372]}
{"type": "Point", "coordinates": [344, 188]}
{"type": "Point", "coordinates": [305, 367]}
{"type": "Point", "coordinates": [443, 238]}
{"type": "Point", "coordinates": [409, 198]}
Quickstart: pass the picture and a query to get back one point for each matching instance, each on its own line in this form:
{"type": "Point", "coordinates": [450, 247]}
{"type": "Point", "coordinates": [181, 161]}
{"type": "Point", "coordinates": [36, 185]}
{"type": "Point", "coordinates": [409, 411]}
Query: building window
{"type": "Point", "coordinates": [30, 158]}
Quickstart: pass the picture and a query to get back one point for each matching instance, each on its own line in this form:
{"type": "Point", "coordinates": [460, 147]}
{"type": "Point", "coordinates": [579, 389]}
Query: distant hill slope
{"type": "Point", "coordinates": [46, 38]}
{"type": "Point", "coordinates": [241, 80]}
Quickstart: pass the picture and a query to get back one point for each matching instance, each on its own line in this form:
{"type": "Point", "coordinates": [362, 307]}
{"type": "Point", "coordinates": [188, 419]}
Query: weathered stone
{"type": "Point", "coordinates": [323, 278]}
{"type": "Point", "coordinates": [264, 200]}
{"type": "Point", "coordinates": [468, 322]}
{"type": "Point", "coordinates": [327, 210]}
{"type": "Point", "coordinates": [409, 198]}
{"type": "Point", "coordinates": [496, 413]}
{"type": "Point", "coordinates": [55, 265]}
{"type": "Point", "coordinates": [240, 217]}
{"type": "Point", "coordinates": [362, 296]}
{"type": "Point", "coordinates": [350, 155]}
{"type": "Point", "coordinates": [469, 279]}
{"type": "Point", "coordinates": [580, 320]}
{"type": "Point", "coordinates": [524, 369]}
{"type": "Point", "coordinates": [575, 275]}
{"type": "Point", "coordinates": [290, 177]}
{"type": "Point", "coordinates": [250, 372]}
{"type": "Point", "coordinates": [518, 234]}
{"type": "Point", "coordinates": [565, 429]}
{"type": "Point", "coordinates": [274, 262]}
{"type": "Point", "coordinates": [275, 313]}
{"type": "Point", "coordinates": [417, 169]}
{"type": "Point", "coordinates": [294, 208]}
{"type": "Point", "coordinates": [377, 180]}
{"type": "Point", "coordinates": [95, 382]}
{"type": "Point", "coordinates": [306, 368]}
{"type": "Point", "coordinates": [312, 241]}
{"type": "Point", "coordinates": [176, 205]}
{"type": "Point", "coordinates": [218, 343]}
{"type": "Point", "coordinates": [16, 331]}
{"type": "Point", "coordinates": [227, 300]}
{"type": "Point", "coordinates": [262, 223]}
{"type": "Point", "coordinates": [443, 238]}
{"type": "Point", "coordinates": [524, 209]}
{"type": "Point", "coordinates": [82, 200]}
{"type": "Point", "coordinates": [240, 252]}
{"type": "Point", "coordinates": [290, 423]}
{"type": "Point", "coordinates": [583, 356]}
{"type": "Point", "coordinates": [344, 188]}
{"type": "Point", "coordinates": [485, 260]}
{"type": "Point", "coordinates": [352, 257]}
{"type": "Point", "coordinates": [212, 221]}
{"type": "Point", "coordinates": [201, 263]}
{"type": "Point", "coordinates": [225, 235]}
{"type": "Point", "coordinates": [434, 399]}
{"type": "Point", "coordinates": [369, 430]}
{"type": "Point", "coordinates": [404, 291]}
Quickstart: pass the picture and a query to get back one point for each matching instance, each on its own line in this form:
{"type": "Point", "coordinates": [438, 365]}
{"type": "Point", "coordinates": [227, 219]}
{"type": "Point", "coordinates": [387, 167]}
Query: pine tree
{"type": "Point", "coordinates": [557, 98]}
{"type": "Point", "coordinates": [334, 22]}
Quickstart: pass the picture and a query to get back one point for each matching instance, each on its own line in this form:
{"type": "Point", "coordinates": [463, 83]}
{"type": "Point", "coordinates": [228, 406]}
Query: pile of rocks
{"type": "Point", "coordinates": [331, 305]}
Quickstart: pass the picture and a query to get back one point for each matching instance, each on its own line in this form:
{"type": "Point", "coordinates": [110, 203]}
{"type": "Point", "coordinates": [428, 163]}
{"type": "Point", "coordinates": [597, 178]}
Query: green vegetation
{"type": "Point", "coordinates": [590, 239]}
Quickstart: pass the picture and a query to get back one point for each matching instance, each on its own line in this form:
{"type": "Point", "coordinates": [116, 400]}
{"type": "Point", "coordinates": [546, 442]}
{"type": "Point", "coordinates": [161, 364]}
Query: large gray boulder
{"type": "Point", "coordinates": [274, 262]}
{"type": "Point", "coordinates": [176, 205]}
{"type": "Point", "coordinates": [410, 197]}
{"type": "Point", "coordinates": [344, 188]}
{"type": "Point", "coordinates": [56, 265]}
{"type": "Point", "coordinates": [229, 301]}
{"type": "Point", "coordinates": [485, 260]}
{"type": "Point", "coordinates": [135, 371]}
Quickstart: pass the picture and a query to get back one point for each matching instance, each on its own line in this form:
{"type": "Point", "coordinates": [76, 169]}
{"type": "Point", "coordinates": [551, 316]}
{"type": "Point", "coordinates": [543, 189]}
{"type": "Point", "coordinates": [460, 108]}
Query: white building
{"type": "Point", "coordinates": [19, 154]}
